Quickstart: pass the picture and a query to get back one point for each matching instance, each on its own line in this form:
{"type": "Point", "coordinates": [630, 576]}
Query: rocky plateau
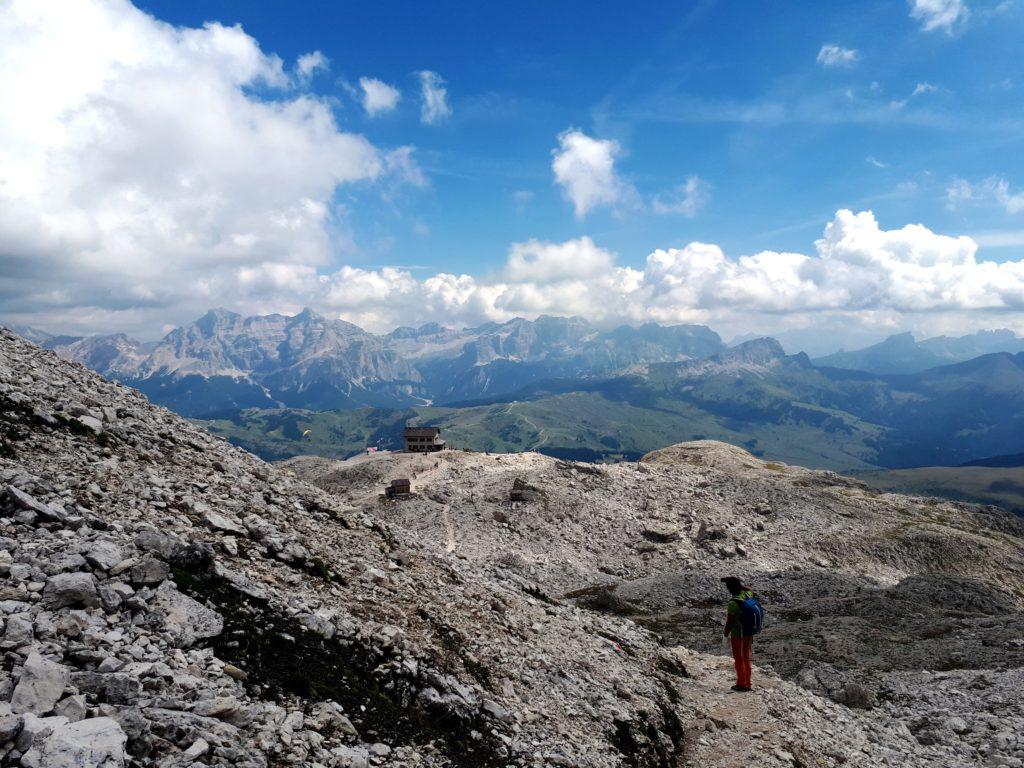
{"type": "Point", "coordinates": [168, 599]}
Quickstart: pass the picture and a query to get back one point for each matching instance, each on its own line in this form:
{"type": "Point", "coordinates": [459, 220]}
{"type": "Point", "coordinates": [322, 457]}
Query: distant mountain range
{"type": "Point", "coordinates": [224, 360]}
{"type": "Point", "coordinates": [902, 354]}
{"type": "Point", "coordinates": [563, 386]}
{"type": "Point", "coordinates": [777, 406]}
{"type": "Point", "coordinates": [941, 416]}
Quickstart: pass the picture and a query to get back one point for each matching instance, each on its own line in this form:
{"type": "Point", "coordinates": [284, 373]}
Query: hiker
{"type": "Point", "coordinates": [744, 616]}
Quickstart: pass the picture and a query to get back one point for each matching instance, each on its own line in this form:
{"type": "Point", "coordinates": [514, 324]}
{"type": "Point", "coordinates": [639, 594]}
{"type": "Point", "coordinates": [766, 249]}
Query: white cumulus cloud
{"type": "Point", "coordinates": [138, 169]}
{"type": "Point", "coordinates": [832, 55]}
{"type": "Point", "coordinates": [378, 97]}
{"type": "Point", "coordinates": [859, 279]}
{"type": "Point", "coordinates": [584, 168]}
{"type": "Point", "coordinates": [859, 276]}
{"type": "Point", "coordinates": [939, 14]}
{"type": "Point", "coordinates": [434, 107]}
{"type": "Point", "coordinates": [536, 261]}
{"type": "Point", "coordinates": [309, 64]}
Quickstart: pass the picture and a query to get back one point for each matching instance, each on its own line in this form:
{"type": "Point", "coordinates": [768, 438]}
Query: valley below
{"type": "Point", "coordinates": [904, 414]}
{"type": "Point", "coordinates": [1001, 486]}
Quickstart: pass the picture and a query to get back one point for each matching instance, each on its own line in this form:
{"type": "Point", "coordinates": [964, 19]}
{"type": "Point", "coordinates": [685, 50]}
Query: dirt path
{"type": "Point", "coordinates": [541, 431]}
{"type": "Point", "coordinates": [741, 729]}
{"type": "Point", "coordinates": [450, 542]}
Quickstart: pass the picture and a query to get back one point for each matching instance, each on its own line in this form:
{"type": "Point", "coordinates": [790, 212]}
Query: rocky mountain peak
{"type": "Point", "coordinates": [901, 353]}
{"type": "Point", "coordinates": [900, 340]}
{"type": "Point", "coordinates": [431, 328]}
{"type": "Point", "coordinates": [31, 333]}
{"type": "Point", "coordinates": [311, 319]}
{"type": "Point", "coordinates": [998, 333]}
{"type": "Point", "coordinates": [424, 331]}
{"type": "Point", "coordinates": [117, 353]}
{"type": "Point", "coordinates": [763, 351]}
{"type": "Point", "coordinates": [216, 321]}
{"type": "Point", "coordinates": [572, 324]}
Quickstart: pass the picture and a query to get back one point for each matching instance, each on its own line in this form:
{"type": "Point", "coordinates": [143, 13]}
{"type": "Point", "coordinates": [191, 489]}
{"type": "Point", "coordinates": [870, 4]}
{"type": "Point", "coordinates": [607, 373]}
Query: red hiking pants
{"type": "Point", "coordinates": [741, 658]}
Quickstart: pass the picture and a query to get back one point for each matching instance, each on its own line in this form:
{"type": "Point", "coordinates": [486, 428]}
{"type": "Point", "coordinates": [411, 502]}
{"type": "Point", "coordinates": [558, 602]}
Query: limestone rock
{"type": "Point", "coordinates": [149, 570]}
{"type": "Point", "coordinates": [221, 707]}
{"type": "Point", "coordinates": [112, 687]}
{"type": "Point", "coordinates": [199, 748]}
{"type": "Point", "coordinates": [40, 687]}
{"type": "Point", "coordinates": [10, 725]}
{"type": "Point", "coordinates": [30, 504]}
{"type": "Point", "coordinates": [71, 707]}
{"type": "Point", "coordinates": [35, 729]}
{"type": "Point", "coordinates": [104, 554]}
{"type": "Point", "coordinates": [188, 620]}
{"type": "Point", "coordinates": [661, 534]}
{"type": "Point", "coordinates": [95, 743]}
{"type": "Point", "coordinates": [18, 632]}
{"type": "Point", "coordinates": [66, 589]}
{"type": "Point", "coordinates": [219, 522]}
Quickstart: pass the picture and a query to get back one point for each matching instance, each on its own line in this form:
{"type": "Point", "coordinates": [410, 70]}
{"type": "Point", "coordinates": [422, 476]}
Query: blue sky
{"type": "Point", "coordinates": [730, 92]}
{"type": "Point", "coordinates": [660, 164]}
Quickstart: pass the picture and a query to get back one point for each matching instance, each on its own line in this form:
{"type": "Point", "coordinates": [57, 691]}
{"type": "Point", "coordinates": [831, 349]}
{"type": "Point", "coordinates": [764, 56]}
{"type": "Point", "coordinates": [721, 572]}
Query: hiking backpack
{"type": "Point", "coordinates": [751, 616]}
